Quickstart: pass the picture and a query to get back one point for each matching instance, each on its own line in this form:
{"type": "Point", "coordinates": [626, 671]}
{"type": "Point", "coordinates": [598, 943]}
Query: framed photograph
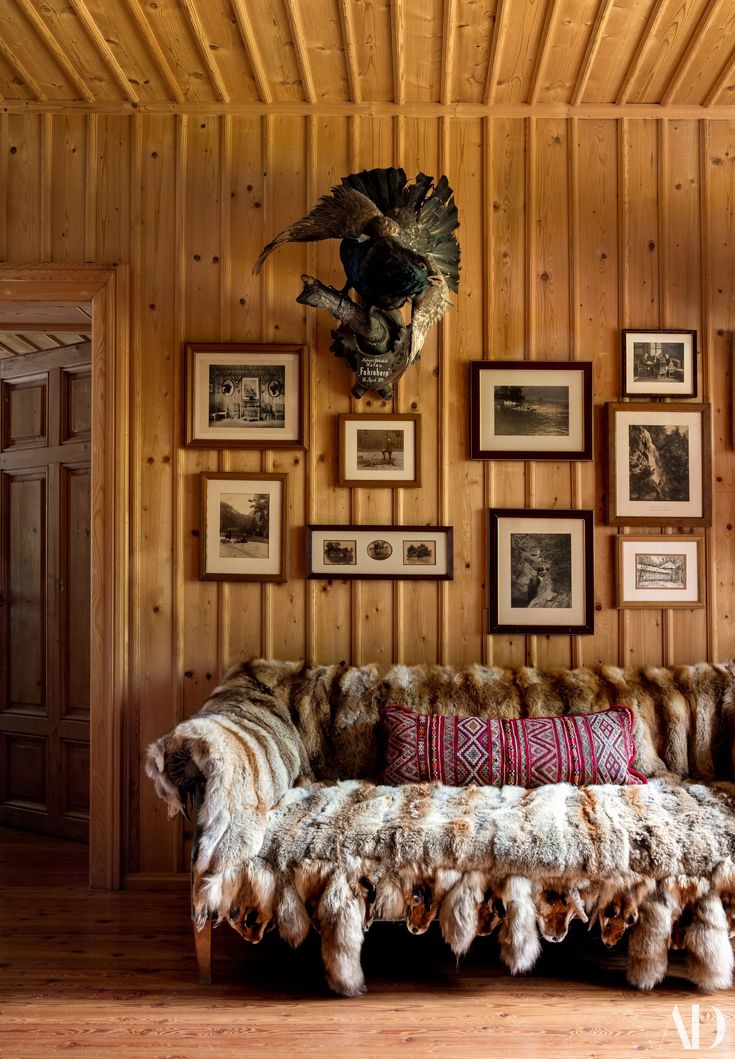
{"type": "Point", "coordinates": [386, 553]}
{"type": "Point", "coordinates": [243, 526]}
{"type": "Point", "coordinates": [379, 450]}
{"type": "Point", "coordinates": [530, 410]}
{"type": "Point", "coordinates": [541, 571]}
{"type": "Point", "coordinates": [661, 571]}
{"type": "Point", "coordinates": [244, 395]}
{"type": "Point", "coordinates": [660, 363]}
{"type": "Point", "coordinates": [660, 464]}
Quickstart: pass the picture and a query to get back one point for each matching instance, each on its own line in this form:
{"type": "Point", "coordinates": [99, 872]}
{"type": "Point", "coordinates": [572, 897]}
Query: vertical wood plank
{"type": "Point", "coordinates": [24, 188]}
{"type": "Point", "coordinates": [68, 186]}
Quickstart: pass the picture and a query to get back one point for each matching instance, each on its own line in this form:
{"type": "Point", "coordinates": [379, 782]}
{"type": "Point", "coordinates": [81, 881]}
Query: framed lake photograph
{"type": "Point", "coordinates": [541, 571]}
{"type": "Point", "coordinates": [530, 410]}
{"type": "Point", "coordinates": [666, 571]}
{"type": "Point", "coordinates": [379, 450]}
{"type": "Point", "coordinates": [660, 464]}
{"type": "Point", "coordinates": [386, 553]}
{"type": "Point", "coordinates": [242, 395]}
{"type": "Point", "coordinates": [660, 363]}
{"type": "Point", "coordinates": [243, 526]}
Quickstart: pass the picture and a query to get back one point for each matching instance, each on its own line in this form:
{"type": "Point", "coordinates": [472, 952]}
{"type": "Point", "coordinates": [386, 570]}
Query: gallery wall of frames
{"type": "Point", "coordinates": [573, 230]}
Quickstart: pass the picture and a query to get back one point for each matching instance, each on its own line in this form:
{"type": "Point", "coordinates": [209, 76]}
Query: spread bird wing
{"type": "Point", "coordinates": [426, 310]}
{"type": "Point", "coordinates": [341, 215]}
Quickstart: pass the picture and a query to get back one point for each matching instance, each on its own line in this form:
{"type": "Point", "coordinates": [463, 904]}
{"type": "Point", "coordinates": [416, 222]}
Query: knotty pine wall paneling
{"type": "Point", "coordinates": [572, 228]}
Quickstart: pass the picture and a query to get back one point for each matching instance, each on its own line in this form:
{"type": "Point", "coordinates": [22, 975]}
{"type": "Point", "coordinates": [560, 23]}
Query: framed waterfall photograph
{"type": "Point", "coordinates": [244, 395]}
{"type": "Point", "coordinates": [541, 571]}
{"type": "Point", "coordinates": [530, 410]}
{"type": "Point", "coordinates": [661, 363]}
{"type": "Point", "coordinates": [379, 450]}
{"type": "Point", "coordinates": [660, 571]}
{"type": "Point", "coordinates": [660, 464]}
{"type": "Point", "coordinates": [242, 536]}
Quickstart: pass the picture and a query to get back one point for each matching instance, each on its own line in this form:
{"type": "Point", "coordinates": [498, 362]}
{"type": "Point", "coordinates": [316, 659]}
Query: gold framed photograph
{"type": "Point", "coordinates": [377, 450]}
{"type": "Point", "coordinates": [660, 571]}
{"type": "Point", "coordinates": [242, 536]}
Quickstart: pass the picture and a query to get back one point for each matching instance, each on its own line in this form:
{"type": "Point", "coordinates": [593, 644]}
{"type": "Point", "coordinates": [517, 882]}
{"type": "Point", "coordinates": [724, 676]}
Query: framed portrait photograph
{"type": "Point", "coordinates": [370, 553]}
{"type": "Point", "coordinates": [379, 450]}
{"type": "Point", "coordinates": [541, 571]}
{"type": "Point", "coordinates": [242, 535]}
{"type": "Point", "coordinates": [660, 464]}
{"type": "Point", "coordinates": [665, 571]}
{"type": "Point", "coordinates": [530, 410]}
{"type": "Point", "coordinates": [660, 363]}
{"type": "Point", "coordinates": [243, 395]}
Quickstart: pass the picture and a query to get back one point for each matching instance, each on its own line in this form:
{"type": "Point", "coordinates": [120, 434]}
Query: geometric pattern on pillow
{"type": "Point", "coordinates": [494, 751]}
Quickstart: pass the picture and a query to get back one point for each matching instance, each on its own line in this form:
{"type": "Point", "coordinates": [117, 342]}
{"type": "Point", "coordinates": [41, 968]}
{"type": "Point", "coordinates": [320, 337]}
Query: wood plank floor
{"type": "Point", "coordinates": [102, 975]}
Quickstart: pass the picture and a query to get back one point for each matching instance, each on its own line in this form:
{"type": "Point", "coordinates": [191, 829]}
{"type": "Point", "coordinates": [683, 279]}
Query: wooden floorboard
{"type": "Point", "coordinates": [101, 975]}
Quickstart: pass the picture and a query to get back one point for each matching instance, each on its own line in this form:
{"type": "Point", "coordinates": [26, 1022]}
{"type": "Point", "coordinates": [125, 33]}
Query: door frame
{"type": "Point", "coordinates": [107, 288]}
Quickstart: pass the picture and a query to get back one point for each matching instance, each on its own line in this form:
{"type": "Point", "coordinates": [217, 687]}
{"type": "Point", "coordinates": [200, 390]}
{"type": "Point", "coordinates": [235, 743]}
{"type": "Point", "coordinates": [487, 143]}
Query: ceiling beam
{"type": "Point", "coordinates": [542, 53]}
{"type": "Point", "coordinates": [95, 33]}
{"type": "Point", "coordinates": [502, 13]}
{"type": "Point", "coordinates": [695, 40]}
{"type": "Point", "coordinates": [201, 40]}
{"type": "Point", "coordinates": [302, 52]}
{"type": "Point", "coordinates": [450, 23]}
{"type": "Point", "coordinates": [593, 46]}
{"type": "Point", "coordinates": [63, 62]}
{"type": "Point", "coordinates": [727, 74]}
{"type": "Point", "coordinates": [22, 72]}
{"type": "Point", "coordinates": [397, 36]}
{"type": "Point", "coordinates": [348, 43]}
{"type": "Point", "coordinates": [250, 44]}
{"type": "Point", "coordinates": [643, 42]}
{"type": "Point", "coordinates": [151, 41]}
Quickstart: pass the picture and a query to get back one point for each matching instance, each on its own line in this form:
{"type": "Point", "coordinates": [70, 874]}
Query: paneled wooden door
{"type": "Point", "coordinates": [45, 515]}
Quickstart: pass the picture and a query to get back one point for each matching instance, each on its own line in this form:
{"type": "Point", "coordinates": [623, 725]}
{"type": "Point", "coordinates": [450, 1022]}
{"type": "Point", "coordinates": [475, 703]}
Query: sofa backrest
{"type": "Point", "coordinates": [685, 716]}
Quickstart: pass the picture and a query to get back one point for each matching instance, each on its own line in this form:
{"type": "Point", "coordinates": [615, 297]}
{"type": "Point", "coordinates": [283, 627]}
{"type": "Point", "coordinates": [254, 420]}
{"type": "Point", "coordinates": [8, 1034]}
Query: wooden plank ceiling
{"type": "Point", "coordinates": [147, 53]}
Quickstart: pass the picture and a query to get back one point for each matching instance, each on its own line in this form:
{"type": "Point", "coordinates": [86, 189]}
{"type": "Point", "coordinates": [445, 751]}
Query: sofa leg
{"type": "Point", "coordinates": [203, 945]}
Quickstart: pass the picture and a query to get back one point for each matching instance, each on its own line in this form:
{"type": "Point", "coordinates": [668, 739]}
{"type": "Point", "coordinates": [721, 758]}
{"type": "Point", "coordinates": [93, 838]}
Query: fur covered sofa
{"type": "Point", "coordinates": [293, 829]}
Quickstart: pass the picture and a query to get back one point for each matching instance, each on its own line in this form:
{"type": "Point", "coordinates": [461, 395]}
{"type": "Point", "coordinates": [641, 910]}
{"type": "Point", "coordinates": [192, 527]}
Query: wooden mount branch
{"type": "Point", "coordinates": [372, 325]}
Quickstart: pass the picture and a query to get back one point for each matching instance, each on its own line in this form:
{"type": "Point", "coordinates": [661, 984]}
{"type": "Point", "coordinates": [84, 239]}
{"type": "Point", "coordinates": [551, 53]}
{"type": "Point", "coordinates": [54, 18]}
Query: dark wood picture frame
{"type": "Point", "coordinates": [587, 626]}
{"type": "Point", "coordinates": [678, 394]}
{"type": "Point", "coordinates": [281, 535]}
{"type": "Point", "coordinates": [349, 535]}
{"type": "Point", "coordinates": [646, 517]}
{"type": "Point", "coordinates": [383, 482]}
{"type": "Point", "coordinates": [652, 541]}
{"type": "Point", "coordinates": [193, 398]}
{"type": "Point", "coordinates": [532, 367]}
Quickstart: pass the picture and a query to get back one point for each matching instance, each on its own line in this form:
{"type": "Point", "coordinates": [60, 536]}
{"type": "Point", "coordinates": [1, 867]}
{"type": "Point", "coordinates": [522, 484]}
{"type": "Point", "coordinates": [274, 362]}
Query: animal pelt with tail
{"type": "Point", "coordinates": [295, 830]}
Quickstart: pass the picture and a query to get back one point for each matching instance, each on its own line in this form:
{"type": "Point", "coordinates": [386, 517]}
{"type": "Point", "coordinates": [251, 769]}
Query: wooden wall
{"type": "Point", "coordinates": [571, 229]}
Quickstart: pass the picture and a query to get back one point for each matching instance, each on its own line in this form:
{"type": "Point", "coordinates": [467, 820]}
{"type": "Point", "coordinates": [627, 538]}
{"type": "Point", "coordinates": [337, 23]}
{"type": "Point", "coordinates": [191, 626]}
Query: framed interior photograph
{"type": "Point", "coordinates": [660, 464]}
{"type": "Point", "coordinates": [541, 571]}
{"type": "Point", "coordinates": [242, 535]}
{"type": "Point", "coordinates": [379, 450]}
{"type": "Point", "coordinates": [244, 395]}
{"type": "Point", "coordinates": [665, 571]}
{"type": "Point", "coordinates": [370, 553]}
{"type": "Point", "coordinates": [530, 410]}
{"type": "Point", "coordinates": [661, 363]}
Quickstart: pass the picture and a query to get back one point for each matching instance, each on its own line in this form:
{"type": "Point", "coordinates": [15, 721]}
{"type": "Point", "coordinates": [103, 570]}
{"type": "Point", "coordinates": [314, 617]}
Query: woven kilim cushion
{"type": "Point", "coordinates": [493, 751]}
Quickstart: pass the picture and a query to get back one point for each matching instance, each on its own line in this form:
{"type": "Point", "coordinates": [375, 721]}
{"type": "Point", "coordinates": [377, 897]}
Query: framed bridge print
{"type": "Point", "coordinates": [379, 450]}
{"type": "Point", "coordinates": [385, 553]}
{"type": "Point", "coordinates": [541, 571]}
{"type": "Point", "coordinates": [244, 395]}
{"type": "Point", "coordinates": [660, 363]}
{"type": "Point", "coordinates": [660, 571]}
{"type": "Point", "coordinates": [530, 410]}
{"type": "Point", "coordinates": [242, 536]}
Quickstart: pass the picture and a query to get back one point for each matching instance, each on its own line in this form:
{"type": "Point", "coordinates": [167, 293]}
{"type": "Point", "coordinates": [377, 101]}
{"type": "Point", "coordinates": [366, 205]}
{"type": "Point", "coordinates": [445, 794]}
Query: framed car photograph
{"type": "Point", "coordinates": [379, 450]}
{"type": "Point", "coordinates": [660, 571]}
{"type": "Point", "coordinates": [371, 553]}
{"type": "Point", "coordinates": [661, 363]}
{"type": "Point", "coordinates": [660, 464]}
{"type": "Point", "coordinates": [244, 395]}
{"type": "Point", "coordinates": [243, 526]}
{"type": "Point", "coordinates": [530, 410]}
{"type": "Point", "coordinates": [541, 571]}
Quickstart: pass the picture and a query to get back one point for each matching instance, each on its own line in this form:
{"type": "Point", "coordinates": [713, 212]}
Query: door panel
{"type": "Point", "coordinates": [25, 768]}
{"type": "Point", "coordinates": [76, 500]}
{"type": "Point", "coordinates": [76, 423]}
{"type": "Point", "coordinates": [25, 413]}
{"type": "Point", "coordinates": [25, 508]}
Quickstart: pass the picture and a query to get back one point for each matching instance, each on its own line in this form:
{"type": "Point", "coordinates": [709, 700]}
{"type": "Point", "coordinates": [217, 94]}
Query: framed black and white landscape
{"type": "Point", "coordinates": [370, 553]}
{"type": "Point", "coordinates": [377, 450]}
{"type": "Point", "coordinates": [243, 526]}
{"type": "Point", "coordinates": [666, 571]}
{"type": "Point", "coordinates": [660, 363]}
{"type": "Point", "coordinates": [660, 470]}
{"type": "Point", "coordinates": [242, 395]}
{"type": "Point", "coordinates": [530, 410]}
{"type": "Point", "coordinates": [541, 571]}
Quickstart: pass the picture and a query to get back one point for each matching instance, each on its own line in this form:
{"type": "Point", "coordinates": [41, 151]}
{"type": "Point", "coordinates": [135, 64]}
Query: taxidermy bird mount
{"type": "Point", "coordinates": [397, 245]}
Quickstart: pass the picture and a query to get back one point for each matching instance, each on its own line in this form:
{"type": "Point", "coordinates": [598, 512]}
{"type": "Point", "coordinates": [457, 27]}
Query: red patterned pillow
{"type": "Point", "coordinates": [493, 751]}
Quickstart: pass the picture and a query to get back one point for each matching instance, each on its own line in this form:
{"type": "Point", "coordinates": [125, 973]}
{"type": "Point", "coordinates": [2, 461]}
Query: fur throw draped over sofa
{"type": "Point", "coordinates": [294, 829]}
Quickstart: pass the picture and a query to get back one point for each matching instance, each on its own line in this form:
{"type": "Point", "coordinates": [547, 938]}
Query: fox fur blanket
{"type": "Point", "coordinates": [293, 830]}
